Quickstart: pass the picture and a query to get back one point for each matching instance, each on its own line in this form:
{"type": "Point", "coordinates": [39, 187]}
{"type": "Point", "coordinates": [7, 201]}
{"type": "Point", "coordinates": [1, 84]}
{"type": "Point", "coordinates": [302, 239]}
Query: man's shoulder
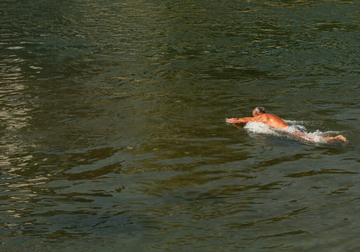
{"type": "Point", "coordinates": [265, 115]}
{"type": "Point", "coordinates": [269, 115]}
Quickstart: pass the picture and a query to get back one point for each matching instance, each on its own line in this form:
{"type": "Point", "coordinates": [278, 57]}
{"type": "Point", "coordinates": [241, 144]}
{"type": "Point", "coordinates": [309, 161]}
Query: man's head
{"type": "Point", "coordinates": [258, 110]}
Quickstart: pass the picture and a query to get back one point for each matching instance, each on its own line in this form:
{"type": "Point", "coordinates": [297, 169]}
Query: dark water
{"type": "Point", "coordinates": [113, 133]}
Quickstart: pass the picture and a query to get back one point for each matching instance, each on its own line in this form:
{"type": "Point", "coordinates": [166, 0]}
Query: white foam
{"type": "Point", "coordinates": [316, 137]}
{"type": "Point", "coordinates": [291, 129]}
{"type": "Point", "coordinates": [293, 122]}
{"type": "Point", "coordinates": [261, 128]}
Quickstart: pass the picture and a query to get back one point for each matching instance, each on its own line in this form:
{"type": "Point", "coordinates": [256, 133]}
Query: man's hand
{"type": "Point", "coordinates": [231, 120]}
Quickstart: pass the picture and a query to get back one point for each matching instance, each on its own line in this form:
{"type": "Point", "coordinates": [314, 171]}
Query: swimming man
{"type": "Point", "coordinates": [259, 115]}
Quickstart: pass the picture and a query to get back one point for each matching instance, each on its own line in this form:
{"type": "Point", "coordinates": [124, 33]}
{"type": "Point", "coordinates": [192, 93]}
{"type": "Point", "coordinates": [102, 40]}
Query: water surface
{"type": "Point", "coordinates": [113, 133]}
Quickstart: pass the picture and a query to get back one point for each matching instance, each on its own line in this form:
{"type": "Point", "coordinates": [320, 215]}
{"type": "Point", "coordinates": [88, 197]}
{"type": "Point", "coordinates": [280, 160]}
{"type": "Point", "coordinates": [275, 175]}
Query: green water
{"type": "Point", "coordinates": [113, 133]}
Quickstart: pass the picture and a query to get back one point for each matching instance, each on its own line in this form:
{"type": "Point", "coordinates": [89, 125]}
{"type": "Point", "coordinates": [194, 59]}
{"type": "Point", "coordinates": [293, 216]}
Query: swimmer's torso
{"type": "Point", "coordinates": [271, 120]}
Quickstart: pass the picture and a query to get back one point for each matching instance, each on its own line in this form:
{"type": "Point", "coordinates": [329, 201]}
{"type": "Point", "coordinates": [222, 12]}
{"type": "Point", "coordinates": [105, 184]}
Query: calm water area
{"type": "Point", "coordinates": [113, 133]}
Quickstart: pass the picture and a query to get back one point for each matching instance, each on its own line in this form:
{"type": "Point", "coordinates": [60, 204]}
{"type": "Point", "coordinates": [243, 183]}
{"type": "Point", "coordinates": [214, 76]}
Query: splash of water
{"type": "Point", "coordinates": [261, 128]}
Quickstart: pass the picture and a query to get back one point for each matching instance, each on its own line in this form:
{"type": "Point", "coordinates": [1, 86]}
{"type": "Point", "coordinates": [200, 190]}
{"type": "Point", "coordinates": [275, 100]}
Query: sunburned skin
{"type": "Point", "coordinates": [269, 119]}
{"type": "Point", "coordinates": [274, 121]}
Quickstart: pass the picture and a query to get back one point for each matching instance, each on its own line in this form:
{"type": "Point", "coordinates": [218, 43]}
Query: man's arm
{"type": "Point", "coordinates": [240, 120]}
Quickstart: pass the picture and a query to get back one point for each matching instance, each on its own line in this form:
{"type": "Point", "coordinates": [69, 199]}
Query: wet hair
{"type": "Point", "coordinates": [259, 109]}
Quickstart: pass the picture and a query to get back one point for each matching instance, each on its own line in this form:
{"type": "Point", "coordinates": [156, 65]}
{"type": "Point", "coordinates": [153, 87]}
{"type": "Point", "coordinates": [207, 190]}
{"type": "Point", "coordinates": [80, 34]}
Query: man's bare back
{"type": "Point", "coordinates": [259, 115]}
